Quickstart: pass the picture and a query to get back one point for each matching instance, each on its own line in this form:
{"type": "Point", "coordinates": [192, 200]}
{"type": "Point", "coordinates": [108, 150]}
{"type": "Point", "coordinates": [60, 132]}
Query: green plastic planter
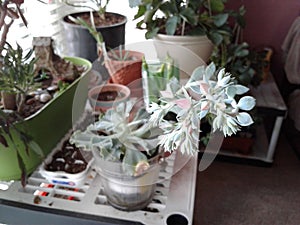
{"type": "Point", "coordinates": [46, 127]}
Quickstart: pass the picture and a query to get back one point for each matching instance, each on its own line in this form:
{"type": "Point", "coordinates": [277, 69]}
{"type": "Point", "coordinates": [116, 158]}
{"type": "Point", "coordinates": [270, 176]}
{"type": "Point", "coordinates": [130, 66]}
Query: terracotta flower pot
{"type": "Point", "coordinates": [125, 71]}
{"type": "Point", "coordinates": [242, 145]}
{"type": "Point", "coordinates": [136, 88]}
{"type": "Point", "coordinates": [104, 97]}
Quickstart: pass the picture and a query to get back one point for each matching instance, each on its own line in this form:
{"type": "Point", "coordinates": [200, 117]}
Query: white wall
{"type": "Point", "coordinates": [122, 7]}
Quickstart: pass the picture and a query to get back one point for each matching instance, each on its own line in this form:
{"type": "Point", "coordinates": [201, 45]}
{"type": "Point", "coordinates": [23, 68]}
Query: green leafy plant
{"type": "Point", "coordinates": [242, 62]}
{"type": "Point", "coordinates": [236, 56]}
{"type": "Point", "coordinates": [7, 139]}
{"type": "Point", "coordinates": [186, 17]}
{"type": "Point", "coordinates": [17, 74]}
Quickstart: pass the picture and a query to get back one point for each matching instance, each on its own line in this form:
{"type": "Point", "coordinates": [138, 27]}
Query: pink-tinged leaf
{"type": "Point", "coordinates": [166, 94]}
{"type": "Point", "coordinates": [204, 88]}
{"type": "Point", "coordinates": [183, 103]}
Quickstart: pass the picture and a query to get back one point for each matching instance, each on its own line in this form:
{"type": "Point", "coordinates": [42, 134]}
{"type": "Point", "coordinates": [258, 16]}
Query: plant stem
{"type": "Point", "coordinates": [183, 23]}
{"type": "Point", "coordinates": [209, 8]}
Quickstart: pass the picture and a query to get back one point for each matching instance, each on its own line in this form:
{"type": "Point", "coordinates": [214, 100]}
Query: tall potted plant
{"type": "Point", "coordinates": [248, 65]}
{"type": "Point", "coordinates": [197, 25]}
{"type": "Point", "coordinates": [43, 113]}
{"type": "Point", "coordinates": [124, 66]}
{"type": "Point", "coordinates": [128, 142]}
{"type": "Point", "coordinates": [80, 42]}
{"type": "Point", "coordinates": [240, 59]}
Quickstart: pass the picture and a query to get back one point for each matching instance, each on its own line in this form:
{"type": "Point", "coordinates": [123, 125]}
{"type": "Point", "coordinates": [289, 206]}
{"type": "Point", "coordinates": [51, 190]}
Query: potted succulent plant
{"type": "Point", "coordinates": [111, 25]}
{"type": "Point", "coordinates": [123, 66]}
{"type": "Point", "coordinates": [43, 110]}
{"type": "Point", "coordinates": [128, 141]}
{"type": "Point", "coordinates": [122, 143]}
{"type": "Point", "coordinates": [197, 25]}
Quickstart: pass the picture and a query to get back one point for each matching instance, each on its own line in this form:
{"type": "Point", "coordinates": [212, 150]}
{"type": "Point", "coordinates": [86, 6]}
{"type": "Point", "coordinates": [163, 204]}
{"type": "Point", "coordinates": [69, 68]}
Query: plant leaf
{"type": "Point", "coordinates": [217, 5]}
{"type": "Point", "coordinates": [188, 15]}
{"type": "Point", "coordinates": [151, 33]}
{"type": "Point", "coordinates": [220, 19]}
{"type": "Point", "coordinates": [171, 25]}
{"type": "Point", "coordinates": [131, 159]}
{"type": "Point", "coordinates": [22, 168]}
{"type": "Point", "coordinates": [134, 3]}
{"type": "Point", "coordinates": [246, 103]}
{"type": "Point", "coordinates": [241, 89]}
{"type": "Point", "coordinates": [3, 141]}
{"type": "Point", "coordinates": [215, 37]}
{"type": "Point", "coordinates": [244, 119]}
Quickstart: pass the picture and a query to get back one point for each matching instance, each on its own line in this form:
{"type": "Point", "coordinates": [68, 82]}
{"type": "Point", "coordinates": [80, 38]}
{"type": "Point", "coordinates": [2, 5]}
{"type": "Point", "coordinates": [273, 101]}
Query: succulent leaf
{"type": "Point", "coordinates": [246, 103]}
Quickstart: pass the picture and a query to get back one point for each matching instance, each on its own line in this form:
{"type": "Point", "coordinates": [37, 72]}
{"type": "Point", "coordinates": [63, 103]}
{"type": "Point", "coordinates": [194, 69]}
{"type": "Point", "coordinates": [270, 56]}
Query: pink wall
{"type": "Point", "coordinates": [268, 22]}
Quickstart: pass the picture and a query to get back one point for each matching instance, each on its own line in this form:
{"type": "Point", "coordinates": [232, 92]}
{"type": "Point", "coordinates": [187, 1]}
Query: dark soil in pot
{"type": "Point", "coordinates": [106, 96]}
{"type": "Point", "coordinates": [81, 43]}
{"type": "Point", "coordinates": [69, 159]}
{"type": "Point", "coordinates": [47, 90]}
{"type": "Point", "coordinates": [110, 19]}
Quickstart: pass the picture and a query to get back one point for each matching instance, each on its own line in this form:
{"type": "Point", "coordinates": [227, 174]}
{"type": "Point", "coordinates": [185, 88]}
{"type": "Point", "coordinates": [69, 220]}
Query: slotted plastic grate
{"type": "Point", "coordinates": [174, 195]}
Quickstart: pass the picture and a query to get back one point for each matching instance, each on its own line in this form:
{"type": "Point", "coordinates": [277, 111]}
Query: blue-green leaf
{"type": "Point", "coordinates": [246, 103]}
{"type": "Point", "coordinates": [244, 119]}
{"type": "Point", "coordinates": [171, 25]}
{"type": "Point", "coordinates": [220, 19]}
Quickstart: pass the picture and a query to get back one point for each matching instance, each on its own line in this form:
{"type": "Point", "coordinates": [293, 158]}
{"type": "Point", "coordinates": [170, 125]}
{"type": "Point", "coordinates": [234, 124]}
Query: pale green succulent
{"type": "Point", "coordinates": [120, 137]}
{"type": "Point", "coordinates": [207, 93]}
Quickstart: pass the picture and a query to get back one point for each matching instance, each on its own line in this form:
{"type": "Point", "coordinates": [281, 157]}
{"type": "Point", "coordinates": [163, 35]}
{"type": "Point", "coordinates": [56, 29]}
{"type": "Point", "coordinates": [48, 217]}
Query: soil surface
{"type": "Point", "coordinates": [69, 159]}
{"type": "Point", "coordinates": [109, 19]}
{"type": "Point", "coordinates": [106, 96]}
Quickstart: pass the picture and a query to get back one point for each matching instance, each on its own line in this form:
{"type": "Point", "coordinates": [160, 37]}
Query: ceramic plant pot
{"type": "Point", "coordinates": [79, 42]}
{"type": "Point", "coordinates": [124, 191]}
{"type": "Point", "coordinates": [200, 45]}
{"type": "Point", "coordinates": [127, 70]}
{"type": "Point", "coordinates": [46, 128]}
{"type": "Point", "coordinates": [104, 97]}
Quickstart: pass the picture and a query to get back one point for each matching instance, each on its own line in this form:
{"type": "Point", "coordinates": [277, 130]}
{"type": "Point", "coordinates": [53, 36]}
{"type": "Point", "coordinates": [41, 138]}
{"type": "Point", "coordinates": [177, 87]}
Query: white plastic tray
{"type": "Point", "coordinates": [173, 200]}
